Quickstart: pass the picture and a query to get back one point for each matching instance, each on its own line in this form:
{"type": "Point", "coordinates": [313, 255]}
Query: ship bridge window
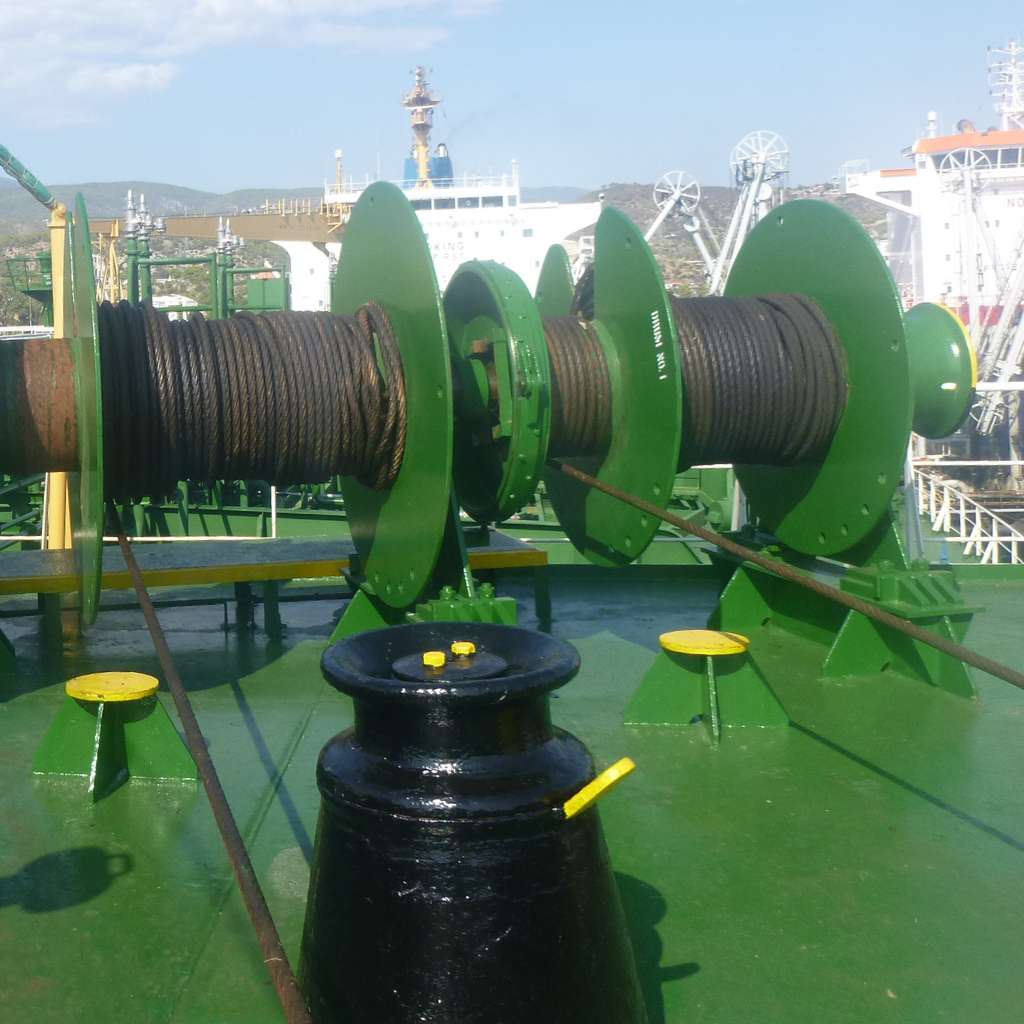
{"type": "Point", "coordinates": [527, 232]}
{"type": "Point", "coordinates": [492, 201]}
{"type": "Point", "coordinates": [444, 204]}
{"type": "Point", "coordinates": [469, 203]}
{"type": "Point", "coordinates": [421, 204]}
{"type": "Point", "coordinates": [511, 200]}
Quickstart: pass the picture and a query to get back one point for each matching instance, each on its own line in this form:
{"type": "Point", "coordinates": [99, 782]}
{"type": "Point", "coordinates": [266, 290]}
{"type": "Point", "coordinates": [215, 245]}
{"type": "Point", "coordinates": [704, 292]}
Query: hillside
{"type": "Point", "coordinates": [18, 210]}
{"type": "Point", "coordinates": [673, 246]}
{"type": "Point", "coordinates": [22, 226]}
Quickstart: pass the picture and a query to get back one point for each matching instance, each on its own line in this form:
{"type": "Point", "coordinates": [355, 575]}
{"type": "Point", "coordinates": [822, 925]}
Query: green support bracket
{"type": "Point", "coordinates": [850, 643]}
{"type": "Point", "coordinates": [106, 742]}
{"type": "Point", "coordinates": [366, 611]}
{"type": "Point", "coordinates": [450, 606]}
{"type": "Point", "coordinates": [458, 598]}
{"type": "Point", "coordinates": [716, 689]}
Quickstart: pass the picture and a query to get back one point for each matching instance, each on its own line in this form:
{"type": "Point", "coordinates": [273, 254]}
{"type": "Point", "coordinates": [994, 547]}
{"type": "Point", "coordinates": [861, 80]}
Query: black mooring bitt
{"type": "Point", "coordinates": [447, 884]}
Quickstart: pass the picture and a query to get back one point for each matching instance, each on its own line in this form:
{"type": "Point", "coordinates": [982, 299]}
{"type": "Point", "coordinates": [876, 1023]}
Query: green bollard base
{"type": "Point", "coordinates": [720, 692]}
{"type": "Point", "coordinates": [105, 743]}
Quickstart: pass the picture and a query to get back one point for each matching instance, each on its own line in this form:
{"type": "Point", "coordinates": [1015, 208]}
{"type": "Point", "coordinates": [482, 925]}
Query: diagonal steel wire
{"type": "Point", "coordinates": [905, 626]}
{"type": "Point", "coordinates": [266, 931]}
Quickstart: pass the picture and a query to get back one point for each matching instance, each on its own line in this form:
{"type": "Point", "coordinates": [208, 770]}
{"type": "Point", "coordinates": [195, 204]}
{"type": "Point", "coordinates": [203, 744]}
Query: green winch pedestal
{"type": "Point", "coordinates": [850, 644]}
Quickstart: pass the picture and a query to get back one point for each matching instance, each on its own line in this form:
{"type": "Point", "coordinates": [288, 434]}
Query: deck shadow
{"type": "Point", "coordinates": [911, 788]}
{"type": "Point", "coordinates": [644, 906]}
{"type": "Point", "coordinates": [57, 881]}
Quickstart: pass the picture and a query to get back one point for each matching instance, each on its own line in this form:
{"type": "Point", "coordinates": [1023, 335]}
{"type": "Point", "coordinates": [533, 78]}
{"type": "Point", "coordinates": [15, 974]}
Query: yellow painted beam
{"type": "Point", "coordinates": [64, 580]}
{"type": "Point", "coordinates": [257, 227]}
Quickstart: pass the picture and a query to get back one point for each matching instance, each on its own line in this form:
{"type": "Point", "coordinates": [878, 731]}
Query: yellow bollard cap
{"type": "Point", "coordinates": [434, 659]}
{"type": "Point", "coordinates": [707, 642]}
{"type": "Point", "coordinates": [112, 686]}
{"type": "Point", "coordinates": [463, 648]}
{"type": "Point", "coordinates": [593, 791]}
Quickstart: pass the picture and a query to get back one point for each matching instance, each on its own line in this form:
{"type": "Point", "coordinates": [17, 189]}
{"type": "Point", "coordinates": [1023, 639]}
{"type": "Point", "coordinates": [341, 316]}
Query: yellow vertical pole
{"type": "Point", "coordinates": [57, 520]}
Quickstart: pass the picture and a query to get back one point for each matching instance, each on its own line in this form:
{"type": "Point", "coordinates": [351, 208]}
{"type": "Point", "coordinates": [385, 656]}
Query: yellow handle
{"type": "Point", "coordinates": [593, 791]}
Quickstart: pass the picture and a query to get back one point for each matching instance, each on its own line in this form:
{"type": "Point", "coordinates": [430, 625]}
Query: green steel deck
{"type": "Point", "coordinates": [866, 864]}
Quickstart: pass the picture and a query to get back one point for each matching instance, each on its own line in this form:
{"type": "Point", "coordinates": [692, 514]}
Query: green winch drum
{"type": "Point", "coordinates": [555, 287]}
{"type": "Point", "coordinates": [86, 485]}
{"type": "Point", "coordinates": [634, 322]}
{"type": "Point", "coordinates": [915, 369]}
{"type": "Point", "coordinates": [398, 531]}
{"type": "Point", "coordinates": [818, 250]}
{"type": "Point", "coordinates": [503, 424]}
{"type": "Point", "coordinates": [943, 368]}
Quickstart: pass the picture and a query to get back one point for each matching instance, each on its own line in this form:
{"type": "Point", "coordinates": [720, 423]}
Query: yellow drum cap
{"type": "Point", "coordinates": [463, 648]}
{"type": "Point", "coordinates": [434, 659]}
{"type": "Point", "coordinates": [707, 642]}
{"type": "Point", "coordinates": [111, 686]}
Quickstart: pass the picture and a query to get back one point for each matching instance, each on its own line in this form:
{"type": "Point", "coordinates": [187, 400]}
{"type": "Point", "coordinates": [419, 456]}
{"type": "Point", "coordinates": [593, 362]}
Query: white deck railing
{"type": "Point", "coordinates": [964, 521]}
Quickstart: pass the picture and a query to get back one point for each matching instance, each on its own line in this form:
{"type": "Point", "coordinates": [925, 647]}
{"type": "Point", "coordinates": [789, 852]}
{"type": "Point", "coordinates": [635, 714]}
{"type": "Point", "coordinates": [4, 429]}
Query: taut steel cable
{"type": "Point", "coordinates": [284, 397]}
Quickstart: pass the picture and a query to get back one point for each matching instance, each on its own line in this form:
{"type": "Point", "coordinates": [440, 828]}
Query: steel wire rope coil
{"type": "Point", "coordinates": [583, 295]}
{"type": "Point", "coordinates": [764, 377]}
{"type": "Point", "coordinates": [580, 388]}
{"type": "Point", "coordinates": [284, 397]}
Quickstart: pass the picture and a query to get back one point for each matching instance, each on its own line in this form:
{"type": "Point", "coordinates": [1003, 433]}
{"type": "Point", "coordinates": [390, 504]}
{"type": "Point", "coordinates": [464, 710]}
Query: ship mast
{"type": "Point", "coordinates": [421, 102]}
{"type": "Point", "coordinates": [1006, 78]}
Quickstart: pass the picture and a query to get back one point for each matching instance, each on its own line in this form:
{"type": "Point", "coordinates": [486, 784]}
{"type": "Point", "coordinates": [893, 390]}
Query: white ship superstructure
{"type": "Point", "coordinates": [464, 218]}
{"type": "Point", "coordinates": [956, 226]}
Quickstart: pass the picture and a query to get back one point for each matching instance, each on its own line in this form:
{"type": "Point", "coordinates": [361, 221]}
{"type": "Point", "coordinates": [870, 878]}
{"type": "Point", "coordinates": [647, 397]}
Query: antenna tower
{"type": "Point", "coordinates": [420, 102]}
{"type": "Point", "coordinates": [1006, 78]}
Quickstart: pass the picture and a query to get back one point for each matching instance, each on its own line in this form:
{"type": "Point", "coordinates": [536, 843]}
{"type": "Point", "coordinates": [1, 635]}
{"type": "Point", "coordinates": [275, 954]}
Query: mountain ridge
{"type": "Point", "coordinates": [106, 199]}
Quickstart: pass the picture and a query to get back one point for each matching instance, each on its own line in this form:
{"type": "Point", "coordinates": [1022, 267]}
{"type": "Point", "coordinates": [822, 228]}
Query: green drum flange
{"type": "Point", "coordinates": [500, 354]}
{"type": "Point", "coordinates": [385, 259]}
{"type": "Point", "coordinates": [943, 368]}
{"type": "Point", "coordinates": [633, 318]}
{"type": "Point", "coordinates": [555, 289]}
{"type": "Point", "coordinates": [817, 250]}
{"type": "Point", "coordinates": [85, 486]}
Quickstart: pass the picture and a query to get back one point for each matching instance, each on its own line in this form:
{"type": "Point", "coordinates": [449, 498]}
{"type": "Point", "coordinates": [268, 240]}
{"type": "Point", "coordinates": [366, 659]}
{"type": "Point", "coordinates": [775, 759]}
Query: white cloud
{"type": "Point", "coordinates": [61, 58]}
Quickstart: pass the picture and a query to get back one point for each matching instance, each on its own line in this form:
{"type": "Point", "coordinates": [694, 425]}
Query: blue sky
{"type": "Point", "coordinates": [223, 94]}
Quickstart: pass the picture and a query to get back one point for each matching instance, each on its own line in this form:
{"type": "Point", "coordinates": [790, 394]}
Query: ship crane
{"type": "Point", "coordinates": [1001, 354]}
{"type": "Point", "coordinates": [963, 172]}
{"type": "Point", "coordinates": [678, 194]}
{"type": "Point", "coordinates": [758, 161]}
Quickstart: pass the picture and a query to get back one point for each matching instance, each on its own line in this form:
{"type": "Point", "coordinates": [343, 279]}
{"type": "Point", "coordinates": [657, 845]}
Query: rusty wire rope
{"type": "Point", "coordinates": [764, 380]}
{"type": "Point", "coordinates": [285, 397]}
{"type": "Point", "coordinates": [274, 955]}
{"type": "Point", "coordinates": [581, 401]}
